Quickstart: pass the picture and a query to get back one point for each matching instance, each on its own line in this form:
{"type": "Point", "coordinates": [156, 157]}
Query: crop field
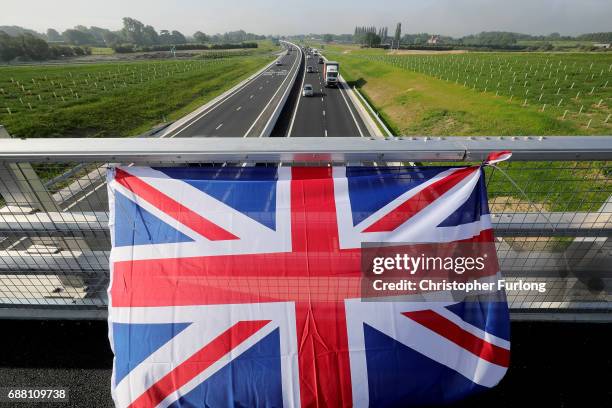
{"type": "Point", "coordinates": [497, 94]}
{"type": "Point", "coordinates": [524, 93]}
{"type": "Point", "coordinates": [113, 99]}
{"type": "Point", "coordinates": [576, 86]}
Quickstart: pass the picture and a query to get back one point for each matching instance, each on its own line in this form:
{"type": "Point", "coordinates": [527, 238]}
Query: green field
{"type": "Point", "coordinates": [116, 98]}
{"type": "Point", "coordinates": [561, 44]}
{"type": "Point", "coordinates": [102, 51]}
{"type": "Point", "coordinates": [484, 93]}
{"type": "Point", "coordinates": [497, 94]}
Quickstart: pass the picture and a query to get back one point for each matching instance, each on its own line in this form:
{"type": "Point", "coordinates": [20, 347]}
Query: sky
{"type": "Point", "coordinates": [287, 17]}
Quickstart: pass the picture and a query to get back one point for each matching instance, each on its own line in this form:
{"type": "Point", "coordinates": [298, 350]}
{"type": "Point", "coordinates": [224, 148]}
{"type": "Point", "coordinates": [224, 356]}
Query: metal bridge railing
{"type": "Point", "coordinates": [554, 228]}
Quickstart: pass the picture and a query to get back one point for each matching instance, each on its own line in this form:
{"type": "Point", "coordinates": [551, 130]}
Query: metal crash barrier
{"type": "Point", "coordinates": [552, 222]}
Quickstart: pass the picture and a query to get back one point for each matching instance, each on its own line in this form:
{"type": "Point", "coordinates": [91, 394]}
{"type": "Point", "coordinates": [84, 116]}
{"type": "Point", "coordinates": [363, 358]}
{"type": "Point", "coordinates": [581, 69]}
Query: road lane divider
{"type": "Point", "coordinates": [297, 105]}
{"type": "Point", "coordinates": [291, 77]}
{"type": "Point", "coordinates": [189, 119]}
{"type": "Point", "coordinates": [371, 127]}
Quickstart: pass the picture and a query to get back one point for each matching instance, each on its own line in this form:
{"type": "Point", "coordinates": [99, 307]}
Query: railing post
{"type": "Point", "coordinates": [24, 193]}
{"type": "Point", "coordinates": [21, 187]}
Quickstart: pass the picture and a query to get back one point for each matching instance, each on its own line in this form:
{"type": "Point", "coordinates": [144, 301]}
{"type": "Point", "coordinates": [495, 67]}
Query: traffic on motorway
{"type": "Point", "coordinates": [252, 108]}
{"type": "Point", "coordinates": [325, 108]}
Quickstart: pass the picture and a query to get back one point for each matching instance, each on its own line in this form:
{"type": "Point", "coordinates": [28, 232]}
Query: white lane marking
{"type": "Point", "coordinates": [321, 99]}
{"type": "Point", "coordinates": [251, 97]}
{"type": "Point", "coordinates": [261, 87]}
{"type": "Point", "coordinates": [297, 106]}
{"type": "Point", "coordinates": [220, 102]}
{"type": "Point", "coordinates": [238, 108]}
{"type": "Point", "coordinates": [218, 127]}
{"type": "Point", "coordinates": [323, 112]}
{"type": "Point", "coordinates": [271, 99]}
{"type": "Point", "coordinates": [325, 132]}
{"type": "Point", "coordinates": [341, 89]}
{"type": "Point", "coordinates": [85, 197]}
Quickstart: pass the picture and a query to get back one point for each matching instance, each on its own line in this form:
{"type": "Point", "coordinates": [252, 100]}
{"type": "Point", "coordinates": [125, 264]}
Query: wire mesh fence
{"type": "Point", "coordinates": [552, 224]}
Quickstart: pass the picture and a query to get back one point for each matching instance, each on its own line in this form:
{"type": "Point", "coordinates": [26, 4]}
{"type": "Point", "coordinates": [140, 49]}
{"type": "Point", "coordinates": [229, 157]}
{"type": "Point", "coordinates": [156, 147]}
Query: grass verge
{"type": "Point", "coordinates": [416, 104]}
{"type": "Point", "coordinates": [112, 99]}
{"type": "Point", "coordinates": [413, 103]}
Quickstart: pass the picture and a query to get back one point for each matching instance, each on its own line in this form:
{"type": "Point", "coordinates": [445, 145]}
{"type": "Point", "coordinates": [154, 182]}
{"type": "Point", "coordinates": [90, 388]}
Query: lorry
{"type": "Point", "coordinates": [330, 73]}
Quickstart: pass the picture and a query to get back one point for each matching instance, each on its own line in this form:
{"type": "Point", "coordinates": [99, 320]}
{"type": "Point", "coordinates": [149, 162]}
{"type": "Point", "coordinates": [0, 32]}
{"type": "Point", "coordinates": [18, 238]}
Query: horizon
{"type": "Point", "coordinates": [443, 17]}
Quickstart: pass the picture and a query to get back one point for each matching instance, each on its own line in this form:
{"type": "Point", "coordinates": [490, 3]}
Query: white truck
{"type": "Point", "coordinates": [330, 73]}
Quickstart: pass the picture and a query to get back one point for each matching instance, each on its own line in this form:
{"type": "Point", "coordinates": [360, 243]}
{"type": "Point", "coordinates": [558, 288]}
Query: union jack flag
{"type": "Point", "coordinates": [241, 287]}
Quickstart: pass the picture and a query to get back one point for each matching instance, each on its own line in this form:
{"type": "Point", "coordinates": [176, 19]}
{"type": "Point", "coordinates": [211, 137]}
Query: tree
{"type": "Point", "coordinates": [178, 38]}
{"type": "Point", "coordinates": [34, 47]}
{"type": "Point", "coordinates": [98, 33]}
{"type": "Point", "coordinates": [398, 34]}
{"type": "Point", "coordinates": [597, 37]}
{"type": "Point", "coordinates": [24, 46]}
{"type": "Point", "coordinates": [111, 39]}
{"type": "Point", "coordinates": [200, 37]}
{"type": "Point", "coordinates": [369, 36]}
{"type": "Point", "coordinates": [9, 47]}
{"type": "Point", "coordinates": [328, 38]}
{"type": "Point", "coordinates": [165, 37]}
{"type": "Point", "coordinates": [492, 38]}
{"type": "Point", "coordinates": [133, 30]}
{"type": "Point", "coordinates": [77, 37]}
{"type": "Point", "coordinates": [150, 36]}
{"type": "Point", "coordinates": [372, 39]}
{"type": "Point", "coordinates": [53, 35]}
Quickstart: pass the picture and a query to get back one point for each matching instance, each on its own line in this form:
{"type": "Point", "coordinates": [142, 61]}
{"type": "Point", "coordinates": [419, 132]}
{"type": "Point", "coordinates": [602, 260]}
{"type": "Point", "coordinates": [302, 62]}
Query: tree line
{"type": "Point", "coordinates": [371, 36]}
{"type": "Point", "coordinates": [19, 42]}
{"type": "Point", "coordinates": [28, 47]}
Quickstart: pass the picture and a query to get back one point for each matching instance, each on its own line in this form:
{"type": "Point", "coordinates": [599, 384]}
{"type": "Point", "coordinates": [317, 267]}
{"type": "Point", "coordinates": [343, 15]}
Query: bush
{"type": "Point", "coordinates": [24, 46]}
{"type": "Point", "coordinates": [123, 48]}
{"type": "Point", "coordinates": [126, 48]}
{"type": "Point", "coordinates": [61, 51]}
{"type": "Point", "coordinates": [427, 47]}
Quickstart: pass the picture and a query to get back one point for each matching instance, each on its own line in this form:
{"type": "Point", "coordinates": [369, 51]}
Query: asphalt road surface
{"type": "Point", "coordinates": [329, 113]}
{"type": "Point", "coordinates": [236, 115]}
{"type": "Point", "coordinates": [552, 364]}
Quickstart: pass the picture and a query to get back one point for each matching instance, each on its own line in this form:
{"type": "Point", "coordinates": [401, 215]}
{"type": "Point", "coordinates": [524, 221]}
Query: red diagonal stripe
{"type": "Point", "coordinates": [199, 362]}
{"type": "Point", "coordinates": [173, 208]}
{"type": "Point", "coordinates": [453, 332]}
{"type": "Point", "coordinates": [416, 203]}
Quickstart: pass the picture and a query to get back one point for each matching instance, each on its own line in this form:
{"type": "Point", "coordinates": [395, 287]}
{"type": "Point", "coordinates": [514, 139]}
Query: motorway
{"type": "Point", "coordinates": [252, 109]}
{"type": "Point", "coordinates": [244, 112]}
{"type": "Point", "coordinates": [328, 113]}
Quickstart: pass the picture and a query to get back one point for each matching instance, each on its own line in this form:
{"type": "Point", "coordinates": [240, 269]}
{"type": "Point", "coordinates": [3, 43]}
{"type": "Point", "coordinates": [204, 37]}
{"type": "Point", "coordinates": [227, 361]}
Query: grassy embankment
{"type": "Point", "coordinates": [115, 99]}
{"type": "Point", "coordinates": [414, 98]}
{"type": "Point", "coordinates": [484, 93]}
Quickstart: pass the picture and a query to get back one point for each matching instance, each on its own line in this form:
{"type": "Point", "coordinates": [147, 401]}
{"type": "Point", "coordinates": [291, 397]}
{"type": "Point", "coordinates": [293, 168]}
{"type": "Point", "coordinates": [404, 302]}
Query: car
{"type": "Point", "coordinates": [320, 60]}
{"type": "Point", "coordinates": [308, 90]}
{"type": "Point", "coordinates": [309, 69]}
{"type": "Point", "coordinates": [307, 55]}
{"type": "Point", "coordinates": [279, 62]}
